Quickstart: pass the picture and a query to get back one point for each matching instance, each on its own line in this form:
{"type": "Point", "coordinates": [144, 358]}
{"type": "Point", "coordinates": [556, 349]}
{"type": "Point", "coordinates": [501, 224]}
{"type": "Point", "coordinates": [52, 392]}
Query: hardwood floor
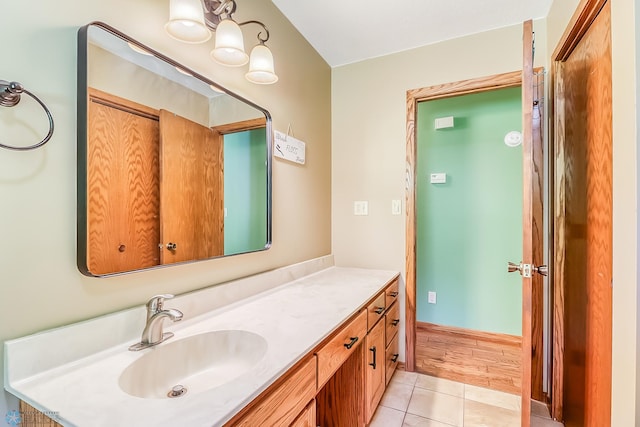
{"type": "Point", "coordinates": [471, 357]}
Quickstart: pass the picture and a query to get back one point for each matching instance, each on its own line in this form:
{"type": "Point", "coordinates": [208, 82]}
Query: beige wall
{"type": "Point", "coordinates": [40, 286]}
{"type": "Point", "coordinates": [369, 136]}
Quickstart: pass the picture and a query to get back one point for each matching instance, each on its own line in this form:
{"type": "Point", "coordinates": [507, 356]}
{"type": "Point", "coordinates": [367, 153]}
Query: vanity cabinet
{"type": "Point", "coordinates": [287, 400]}
{"type": "Point", "coordinates": [343, 344]}
{"type": "Point", "coordinates": [340, 381]}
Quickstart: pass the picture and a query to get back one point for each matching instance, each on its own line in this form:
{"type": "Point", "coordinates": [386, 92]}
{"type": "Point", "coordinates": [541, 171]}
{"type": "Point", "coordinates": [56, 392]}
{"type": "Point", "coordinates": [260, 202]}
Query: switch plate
{"type": "Point", "coordinates": [438, 178]}
{"type": "Point", "coordinates": [396, 207]}
{"type": "Point", "coordinates": [361, 207]}
{"type": "Point", "coordinates": [431, 297]}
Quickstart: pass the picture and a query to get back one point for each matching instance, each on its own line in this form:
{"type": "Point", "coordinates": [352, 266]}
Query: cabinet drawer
{"type": "Point", "coordinates": [391, 293]}
{"type": "Point", "coordinates": [341, 346]}
{"type": "Point", "coordinates": [375, 310]}
{"type": "Point", "coordinates": [392, 320]}
{"type": "Point", "coordinates": [281, 406]}
{"type": "Point", "coordinates": [308, 417]}
{"type": "Point", "coordinates": [391, 359]}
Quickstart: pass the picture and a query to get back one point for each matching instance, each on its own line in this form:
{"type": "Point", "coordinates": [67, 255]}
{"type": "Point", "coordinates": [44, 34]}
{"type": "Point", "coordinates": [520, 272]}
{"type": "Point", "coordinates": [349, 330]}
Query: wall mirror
{"type": "Point", "coordinates": [172, 168]}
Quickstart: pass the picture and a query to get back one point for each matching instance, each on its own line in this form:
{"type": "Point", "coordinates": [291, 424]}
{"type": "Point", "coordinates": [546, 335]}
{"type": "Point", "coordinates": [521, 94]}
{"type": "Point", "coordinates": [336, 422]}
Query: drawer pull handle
{"type": "Point", "coordinates": [395, 322]}
{"type": "Point", "coordinates": [373, 350]}
{"type": "Point", "coordinates": [351, 343]}
{"type": "Point", "coordinates": [393, 294]}
{"type": "Point", "coordinates": [379, 310]}
{"type": "Point", "coordinates": [394, 359]}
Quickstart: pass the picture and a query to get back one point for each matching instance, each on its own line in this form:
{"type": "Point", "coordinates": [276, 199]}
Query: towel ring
{"type": "Point", "coordinates": [9, 97]}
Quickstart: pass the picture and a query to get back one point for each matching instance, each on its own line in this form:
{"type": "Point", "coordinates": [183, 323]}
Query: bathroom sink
{"type": "Point", "coordinates": [192, 364]}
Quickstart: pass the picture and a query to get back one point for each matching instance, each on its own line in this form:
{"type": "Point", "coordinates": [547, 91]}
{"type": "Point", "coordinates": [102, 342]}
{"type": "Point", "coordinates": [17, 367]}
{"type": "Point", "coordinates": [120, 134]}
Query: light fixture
{"type": "Point", "coordinates": [190, 21]}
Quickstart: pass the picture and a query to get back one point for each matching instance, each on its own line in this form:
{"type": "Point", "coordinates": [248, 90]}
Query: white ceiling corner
{"type": "Point", "coordinates": [345, 32]}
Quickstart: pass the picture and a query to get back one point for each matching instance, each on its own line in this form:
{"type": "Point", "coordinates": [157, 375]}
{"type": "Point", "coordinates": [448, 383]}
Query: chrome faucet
{"type": "Point", "coordinates": [153, 334]}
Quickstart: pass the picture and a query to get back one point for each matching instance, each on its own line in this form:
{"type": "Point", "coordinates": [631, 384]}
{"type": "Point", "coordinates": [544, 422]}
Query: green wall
{"type": "Point", "coordinates": [469, 227]}
{"type": "Point", "coordinates": [245, 191]}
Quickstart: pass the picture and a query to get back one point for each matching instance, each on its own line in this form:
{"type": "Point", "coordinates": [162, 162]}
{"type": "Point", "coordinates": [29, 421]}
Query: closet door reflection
{"type": "Point", "coordinates": [123, 185]}
{"type": "Point", "coordinates": [191, 190]}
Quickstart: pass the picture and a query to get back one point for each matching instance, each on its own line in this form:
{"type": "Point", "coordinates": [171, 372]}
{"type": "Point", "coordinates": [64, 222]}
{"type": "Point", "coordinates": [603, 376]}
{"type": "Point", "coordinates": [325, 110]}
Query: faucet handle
{"type": "Point", "coordinates": [155, 303]}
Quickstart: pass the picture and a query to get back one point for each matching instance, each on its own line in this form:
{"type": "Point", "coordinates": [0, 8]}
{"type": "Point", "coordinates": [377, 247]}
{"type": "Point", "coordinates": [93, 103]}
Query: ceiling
{"type": "Point", "coordinates": [347, 31]}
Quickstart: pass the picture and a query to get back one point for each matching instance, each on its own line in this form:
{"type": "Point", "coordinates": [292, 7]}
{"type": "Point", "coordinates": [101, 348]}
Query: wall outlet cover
{"type": "Point", "coordinates": [431, 297]}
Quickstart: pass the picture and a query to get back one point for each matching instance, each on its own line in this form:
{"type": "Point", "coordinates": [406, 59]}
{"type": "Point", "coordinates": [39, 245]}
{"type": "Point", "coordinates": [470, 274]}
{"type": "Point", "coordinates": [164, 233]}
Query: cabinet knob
{"type": "Point", "coordinates": [172, 246]}
{"type": "Point", "coordinates": [393, 294]}
{"type": "Point", "coordinates": [395, 322]}
{"type": "Point", "coordinates": [394, 359]}
{"type": "Point", "coordinates": [379, 310]}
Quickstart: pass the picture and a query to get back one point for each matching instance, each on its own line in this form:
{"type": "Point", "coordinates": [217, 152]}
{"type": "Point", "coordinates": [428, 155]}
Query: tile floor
{"type": "Point", "coordinates": [416, 400]}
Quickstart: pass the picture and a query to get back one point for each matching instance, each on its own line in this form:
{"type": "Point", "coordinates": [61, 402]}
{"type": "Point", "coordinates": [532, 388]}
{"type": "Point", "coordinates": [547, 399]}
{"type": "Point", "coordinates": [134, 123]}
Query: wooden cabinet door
{"type": "Point", "coordinates": [374, 369]}
{"type": "Point", "coordinates": [191, 190]}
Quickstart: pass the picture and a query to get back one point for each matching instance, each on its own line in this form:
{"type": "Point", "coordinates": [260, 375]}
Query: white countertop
{"type": "Point", "coordinates": [293, 318]}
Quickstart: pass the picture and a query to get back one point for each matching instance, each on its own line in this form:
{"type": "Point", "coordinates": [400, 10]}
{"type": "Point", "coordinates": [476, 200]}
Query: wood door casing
{"type": "Point", "coordinates": [414, 96]}
{"type": "Point", "coordinates": [123, 228]}
{"type": "Point", "coordinates": [583, 217]}
{"type": "Point", "coordinates": [191, 190]}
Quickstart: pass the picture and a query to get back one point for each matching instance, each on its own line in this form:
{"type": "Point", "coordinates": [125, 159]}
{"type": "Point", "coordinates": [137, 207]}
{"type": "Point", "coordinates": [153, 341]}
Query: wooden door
{"type": "Point", "coordinates": [583, 217]}
{"type": "Point", "coordinates": [191, 190]}
{"type": "Point", "coordinates": [375, 369]}
{"type": "Point", "coordinates": [123, 228]}
{"type": "Point", "coordinates": [532, 226]}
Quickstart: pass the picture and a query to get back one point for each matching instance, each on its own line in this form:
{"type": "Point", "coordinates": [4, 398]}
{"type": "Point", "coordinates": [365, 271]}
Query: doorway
{"type": "Point", "coordinates": [532, 376]}
{"type": "Point", "coordinates": [469, 221]}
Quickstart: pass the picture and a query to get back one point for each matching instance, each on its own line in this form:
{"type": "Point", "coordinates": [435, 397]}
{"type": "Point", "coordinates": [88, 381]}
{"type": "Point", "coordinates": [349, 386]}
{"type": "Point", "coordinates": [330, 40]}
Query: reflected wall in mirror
{"type": "Point", "coordinates": [172, 168]}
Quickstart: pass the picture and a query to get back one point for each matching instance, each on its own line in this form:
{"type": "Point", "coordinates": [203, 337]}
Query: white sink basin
{"type": "Point", "coordinates": [196, 363]}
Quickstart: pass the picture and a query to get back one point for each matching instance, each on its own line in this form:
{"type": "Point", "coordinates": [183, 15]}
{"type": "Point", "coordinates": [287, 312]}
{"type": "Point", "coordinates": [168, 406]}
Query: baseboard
{"type": "Point", "coordinates": [454, 331]}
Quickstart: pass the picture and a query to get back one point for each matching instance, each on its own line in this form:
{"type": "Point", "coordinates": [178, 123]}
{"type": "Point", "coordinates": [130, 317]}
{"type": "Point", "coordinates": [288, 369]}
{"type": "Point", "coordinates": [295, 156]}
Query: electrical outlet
{"type": "Point", "coordinates": [431, 297]}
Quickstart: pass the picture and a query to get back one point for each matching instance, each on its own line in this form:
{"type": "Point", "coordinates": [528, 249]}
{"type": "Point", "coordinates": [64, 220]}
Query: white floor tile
{"type": "Point", "coordinates": [441, 385]}
{"type": "Point", "coordinates": [478, 414]}
{"type": "Point", "coordinates": [397, 396]}
{"type": "Point", "coordinates": [492, 397]}
{"type": "Point", "coordinates": [405, 377]}
{"type": "Point", "coordinates": [437, 406]}
{"type": "Point", "coordinates": [411, 420]}
{"type": "Point", "coordinates": [387, 417]}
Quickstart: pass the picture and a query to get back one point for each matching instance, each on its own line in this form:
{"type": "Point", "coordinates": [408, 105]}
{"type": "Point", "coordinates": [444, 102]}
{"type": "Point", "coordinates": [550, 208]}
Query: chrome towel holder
{"type": "Point", "coordinates": [9, 97]}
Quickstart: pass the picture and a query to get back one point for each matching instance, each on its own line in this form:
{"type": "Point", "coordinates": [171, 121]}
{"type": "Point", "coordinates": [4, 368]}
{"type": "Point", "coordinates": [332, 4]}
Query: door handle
{"type": "Point", "coordinates": [527, 269]}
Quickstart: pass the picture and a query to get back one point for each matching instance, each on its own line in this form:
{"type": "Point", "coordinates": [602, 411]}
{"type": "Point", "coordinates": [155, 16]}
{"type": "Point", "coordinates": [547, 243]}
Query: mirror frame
{"type": "Point", "coordinates": [82, 148]}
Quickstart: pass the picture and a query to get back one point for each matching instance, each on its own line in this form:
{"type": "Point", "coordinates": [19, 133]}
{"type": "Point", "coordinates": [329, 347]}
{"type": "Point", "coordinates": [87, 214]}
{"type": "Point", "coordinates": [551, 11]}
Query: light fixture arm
{"type": "Point", "coordinates": [217, 10]}
{"type": "Point", "coordinates": [261, 39]}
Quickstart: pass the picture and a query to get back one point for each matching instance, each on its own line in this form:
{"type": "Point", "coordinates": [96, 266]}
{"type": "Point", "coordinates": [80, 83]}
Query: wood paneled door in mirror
{"type": "Point", "coordinates": [122, 185]}
{"type": "Point", "coordinates": [191, 190]}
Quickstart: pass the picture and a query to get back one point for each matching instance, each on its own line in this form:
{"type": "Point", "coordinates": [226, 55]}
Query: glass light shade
{"type": "Point", "coordinates": [186, 21]}
{"type": "Point", "coordinates": [229, 47]}
{"type": "Point", "coordinates": [261, 66]}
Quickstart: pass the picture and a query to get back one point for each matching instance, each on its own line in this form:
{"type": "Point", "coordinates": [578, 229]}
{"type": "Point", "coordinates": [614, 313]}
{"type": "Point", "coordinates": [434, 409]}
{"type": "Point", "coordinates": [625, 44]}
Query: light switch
{"type": "Point", "coordinates": [396, 207]}
{"type": "Point", "coordinates": [361, 207]}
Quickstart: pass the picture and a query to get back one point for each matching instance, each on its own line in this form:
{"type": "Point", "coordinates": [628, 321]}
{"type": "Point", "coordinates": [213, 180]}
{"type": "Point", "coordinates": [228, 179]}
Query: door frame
{"type": "Point", "coordinates": [414, 96]}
